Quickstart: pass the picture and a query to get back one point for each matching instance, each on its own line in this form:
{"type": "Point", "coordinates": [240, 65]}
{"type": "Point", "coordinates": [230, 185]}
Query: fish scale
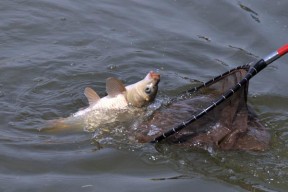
{"type": "Point", "coordinates": [119, 100]}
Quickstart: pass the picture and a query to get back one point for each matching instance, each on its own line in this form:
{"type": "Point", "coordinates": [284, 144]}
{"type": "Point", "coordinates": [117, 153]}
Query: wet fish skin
{"type": "Point", "coordinates": [119, 99]}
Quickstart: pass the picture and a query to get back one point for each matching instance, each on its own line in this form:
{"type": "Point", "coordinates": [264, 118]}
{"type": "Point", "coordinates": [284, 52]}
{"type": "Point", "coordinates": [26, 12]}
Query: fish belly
{"type": "Point", "coordinates": [105, 104]}
{"type": "Point", "coordinates": [105, 111]}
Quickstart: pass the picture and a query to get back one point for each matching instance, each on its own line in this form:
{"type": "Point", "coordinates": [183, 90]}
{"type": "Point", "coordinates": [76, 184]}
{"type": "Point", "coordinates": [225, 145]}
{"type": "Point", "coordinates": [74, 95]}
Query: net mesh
{"type": "Point", "coordinates": [231, 125]}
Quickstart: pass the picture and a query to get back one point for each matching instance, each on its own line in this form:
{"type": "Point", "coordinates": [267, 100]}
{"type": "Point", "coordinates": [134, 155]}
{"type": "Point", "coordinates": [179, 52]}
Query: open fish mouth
{"type": "Point", "coordinates": [155, 76]}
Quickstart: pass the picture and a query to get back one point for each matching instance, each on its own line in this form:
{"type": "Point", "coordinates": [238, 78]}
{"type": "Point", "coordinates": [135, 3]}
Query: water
{"type": "Point", "coordinates": [51, 50]}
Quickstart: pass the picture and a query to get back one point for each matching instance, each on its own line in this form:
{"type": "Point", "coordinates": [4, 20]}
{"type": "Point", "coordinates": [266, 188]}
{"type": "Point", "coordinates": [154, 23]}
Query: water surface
{"type": "Point", "coordinates": [51, 50]}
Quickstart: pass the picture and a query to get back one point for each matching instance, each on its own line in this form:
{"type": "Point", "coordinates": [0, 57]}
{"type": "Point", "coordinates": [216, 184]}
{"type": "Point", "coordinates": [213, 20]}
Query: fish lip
{"type": "Point", "coordinates": [154, 76]}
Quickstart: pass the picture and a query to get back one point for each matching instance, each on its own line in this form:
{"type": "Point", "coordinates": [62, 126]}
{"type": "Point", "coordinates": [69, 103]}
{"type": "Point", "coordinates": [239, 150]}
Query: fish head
{"type": "Point", "coordinates": [144, 91]}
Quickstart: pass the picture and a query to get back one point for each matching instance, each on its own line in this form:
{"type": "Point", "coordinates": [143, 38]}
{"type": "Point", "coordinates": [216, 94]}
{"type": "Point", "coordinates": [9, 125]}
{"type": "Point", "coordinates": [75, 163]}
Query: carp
{"type": "Point", "coordinates": [120, 99]}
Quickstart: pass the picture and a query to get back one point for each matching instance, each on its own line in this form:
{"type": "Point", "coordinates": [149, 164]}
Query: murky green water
{"type": "Point", "coordinates": [51, 50]}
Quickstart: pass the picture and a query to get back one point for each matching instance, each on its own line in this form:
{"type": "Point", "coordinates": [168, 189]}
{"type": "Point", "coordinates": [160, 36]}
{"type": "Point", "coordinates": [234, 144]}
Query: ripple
{"type": "Point", "coordinates": [253, 14]}
{"type": "Point", "coordinates": [52, 50]}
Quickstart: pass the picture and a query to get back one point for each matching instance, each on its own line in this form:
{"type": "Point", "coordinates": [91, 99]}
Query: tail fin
{"type": "Point", "coordinates": [62, 124]}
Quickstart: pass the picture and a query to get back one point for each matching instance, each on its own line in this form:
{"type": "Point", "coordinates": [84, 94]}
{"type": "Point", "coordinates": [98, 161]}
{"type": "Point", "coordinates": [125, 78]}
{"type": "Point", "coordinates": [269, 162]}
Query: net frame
{"type": "Point", "coordinates": [253, 69]}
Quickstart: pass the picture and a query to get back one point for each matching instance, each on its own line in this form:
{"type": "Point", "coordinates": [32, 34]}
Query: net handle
{"type": "Point", "coordinates": [256, 68]}
{"type": "Point", "coordinates": [276, 54]}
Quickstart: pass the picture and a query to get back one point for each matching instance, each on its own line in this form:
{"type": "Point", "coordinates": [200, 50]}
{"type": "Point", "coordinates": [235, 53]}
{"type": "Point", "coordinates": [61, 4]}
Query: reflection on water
{"type": "Point", "coordinates": [51, 51]}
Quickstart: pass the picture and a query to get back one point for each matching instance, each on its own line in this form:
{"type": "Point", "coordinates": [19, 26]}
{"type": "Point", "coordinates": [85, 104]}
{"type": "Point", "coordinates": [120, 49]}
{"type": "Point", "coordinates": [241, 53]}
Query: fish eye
{"type": "Point", "coordinates": [148, 90]}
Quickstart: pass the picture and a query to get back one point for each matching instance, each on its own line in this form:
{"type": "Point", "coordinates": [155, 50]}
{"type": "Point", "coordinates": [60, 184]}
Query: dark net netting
{"type": "Point", "coordinates": [231, 124]}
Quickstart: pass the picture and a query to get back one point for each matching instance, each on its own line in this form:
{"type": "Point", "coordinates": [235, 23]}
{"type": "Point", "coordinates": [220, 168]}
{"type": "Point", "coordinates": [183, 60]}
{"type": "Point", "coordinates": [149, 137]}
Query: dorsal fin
{"type": "Point", "coordinates": [114, 86]}
{"type": "Point", "coordinates": [91, 95]}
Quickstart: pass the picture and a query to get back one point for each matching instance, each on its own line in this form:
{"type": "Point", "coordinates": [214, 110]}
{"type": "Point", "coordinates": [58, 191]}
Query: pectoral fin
{"type": "Point", "coordinates": [91, 95]}
{"type": "Point", "coordinates": [114, 86]}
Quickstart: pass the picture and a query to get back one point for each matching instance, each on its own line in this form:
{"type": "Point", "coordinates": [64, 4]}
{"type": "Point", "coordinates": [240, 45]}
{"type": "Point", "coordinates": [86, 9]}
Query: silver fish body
{"type": "Point", "coordinates": [120, 100]}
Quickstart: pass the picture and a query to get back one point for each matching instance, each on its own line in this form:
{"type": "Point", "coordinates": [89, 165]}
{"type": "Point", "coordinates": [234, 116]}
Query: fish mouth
{"type": "Point", "coordinates": [154, 76]}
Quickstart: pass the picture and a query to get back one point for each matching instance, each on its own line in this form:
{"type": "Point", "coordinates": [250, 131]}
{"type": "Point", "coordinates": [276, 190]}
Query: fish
{"type": "Point", "coordinates": [120, 99]}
